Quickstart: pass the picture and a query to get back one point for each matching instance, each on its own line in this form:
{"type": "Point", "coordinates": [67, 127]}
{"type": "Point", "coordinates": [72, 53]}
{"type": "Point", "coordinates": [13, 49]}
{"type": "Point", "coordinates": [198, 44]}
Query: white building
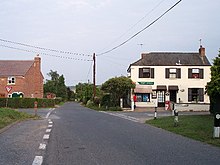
{"type": "Point", "coordinates": [170, 76]}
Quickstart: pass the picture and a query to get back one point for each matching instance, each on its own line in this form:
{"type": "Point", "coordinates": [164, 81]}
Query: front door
{"type": "Point", "coordinates": [161, 98]}
{"type": "Point", "coordinates": [173, 96]}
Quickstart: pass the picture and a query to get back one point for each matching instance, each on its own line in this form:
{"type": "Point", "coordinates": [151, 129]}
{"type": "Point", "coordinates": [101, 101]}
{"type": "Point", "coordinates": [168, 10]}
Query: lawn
{"type": "Point", "coordinates": [8, 116]}
{"type": "Point", "coordinates": [196, 127]}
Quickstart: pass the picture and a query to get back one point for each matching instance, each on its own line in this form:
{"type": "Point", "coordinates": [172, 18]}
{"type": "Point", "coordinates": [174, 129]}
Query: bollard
{"type": "Point", "coordinates": [132, 105]}
{"type": "Point", "coordinates": [216, 132]}
{"type": "Point", "coordinates": [155, 113]}
{"type": "Point", "coordinates": [35, 108]}
{"type": "Point", "coordinates": [176, 120]}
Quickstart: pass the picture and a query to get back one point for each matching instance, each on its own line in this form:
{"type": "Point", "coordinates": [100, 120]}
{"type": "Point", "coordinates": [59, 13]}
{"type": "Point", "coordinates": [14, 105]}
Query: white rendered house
{"type": "Point", "coordinates": [170, 76]}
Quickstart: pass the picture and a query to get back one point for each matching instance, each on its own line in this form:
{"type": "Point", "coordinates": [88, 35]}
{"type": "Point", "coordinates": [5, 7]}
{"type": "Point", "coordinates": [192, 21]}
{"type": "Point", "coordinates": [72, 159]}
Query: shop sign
{"type": "Point", "coordinates": [146, 83]}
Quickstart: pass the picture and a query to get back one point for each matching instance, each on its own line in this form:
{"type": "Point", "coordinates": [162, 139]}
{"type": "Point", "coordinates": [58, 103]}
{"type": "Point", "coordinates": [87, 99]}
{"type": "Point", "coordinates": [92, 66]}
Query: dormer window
{"type": "Point", "coordinates": [11, 80]}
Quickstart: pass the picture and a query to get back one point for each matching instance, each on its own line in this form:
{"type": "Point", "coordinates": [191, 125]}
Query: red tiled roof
{"type": "Point", "coordinates": [14, 68]}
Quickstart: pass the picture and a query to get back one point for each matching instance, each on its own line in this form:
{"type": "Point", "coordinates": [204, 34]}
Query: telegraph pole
{"type": "Point", "coordinates": [94, 72]}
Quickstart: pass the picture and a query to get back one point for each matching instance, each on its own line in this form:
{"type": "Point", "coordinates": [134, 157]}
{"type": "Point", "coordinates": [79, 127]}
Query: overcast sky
{"type": "Point", "coordinates": [95, 26]}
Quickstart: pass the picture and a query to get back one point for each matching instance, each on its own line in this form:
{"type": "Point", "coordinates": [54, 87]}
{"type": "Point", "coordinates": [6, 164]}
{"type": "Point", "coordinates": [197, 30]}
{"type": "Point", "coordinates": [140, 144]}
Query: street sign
{"type": "Point", "coordinates": [8, 88]}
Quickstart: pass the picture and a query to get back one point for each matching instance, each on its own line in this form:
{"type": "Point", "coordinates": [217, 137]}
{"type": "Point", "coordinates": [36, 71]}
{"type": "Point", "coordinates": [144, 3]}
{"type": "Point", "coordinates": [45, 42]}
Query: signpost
{"type": "Point", "coordinates": [8, 89]}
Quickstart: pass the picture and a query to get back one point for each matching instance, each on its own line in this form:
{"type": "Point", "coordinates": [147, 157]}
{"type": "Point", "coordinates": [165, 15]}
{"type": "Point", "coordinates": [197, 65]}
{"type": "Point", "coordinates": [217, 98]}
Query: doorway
{"type": "Point", "coordinates": [173, 96]}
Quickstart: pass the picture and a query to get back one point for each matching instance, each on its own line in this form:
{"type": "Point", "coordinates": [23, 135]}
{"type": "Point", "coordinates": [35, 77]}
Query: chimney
{"type": "Point", "coordinates": [37, 62]}
{"type": "Point", "coordinates": [202, 51]}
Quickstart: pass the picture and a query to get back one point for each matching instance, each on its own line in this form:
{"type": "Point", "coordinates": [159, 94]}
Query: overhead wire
{"type": "Point", "coordinates": [46, 54]}
{"type": "Point", "coordinates": [158, 18]}
{"type": "Point", "coordinates": [148, 13]}
{"type": "Point", "coordinates": [41, 48]}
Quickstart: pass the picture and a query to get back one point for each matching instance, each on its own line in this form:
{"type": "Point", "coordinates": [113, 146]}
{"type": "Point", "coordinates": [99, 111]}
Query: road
{"type": "Point", "coordinates": [75, 135]}
{"type": "Point", "coordinates": [83, 136]}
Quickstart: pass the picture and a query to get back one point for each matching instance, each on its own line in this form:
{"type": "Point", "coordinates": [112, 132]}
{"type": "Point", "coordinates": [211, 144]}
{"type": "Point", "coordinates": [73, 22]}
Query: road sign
{"type": "Point", "coordinates": [8, 88]}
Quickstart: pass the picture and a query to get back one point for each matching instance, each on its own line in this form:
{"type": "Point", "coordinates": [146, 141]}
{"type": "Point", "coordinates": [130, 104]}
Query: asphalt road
{"type": "Point", "coordinates": [86, 137]}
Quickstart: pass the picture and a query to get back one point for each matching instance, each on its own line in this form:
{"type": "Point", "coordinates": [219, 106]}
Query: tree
{"type": "Point", "coordinates": [118, 87]}
{"type": "Point", "coordinates": [213, 87]}
{"type": "Point", "coordinates": [56, 85]}
{"type": "Point", "coordinates": [84, 92]}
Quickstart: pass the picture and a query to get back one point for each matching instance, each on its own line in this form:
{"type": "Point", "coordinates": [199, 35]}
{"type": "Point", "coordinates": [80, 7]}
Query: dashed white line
{"type": "Point", "coordinates": [38, 160]}
{"type": "Point", "coordinates": [46, 137]}
{"type": "Point", "coordinates": [48, 130]}
{"type": "Point", "coordinates": [42, 146]}
{"type": "Point", "coordinates": [49, 126]}
{"type": "Point", "coordinates": [50, 122]}
{"type": "Point", "coordinates": [48, 114]}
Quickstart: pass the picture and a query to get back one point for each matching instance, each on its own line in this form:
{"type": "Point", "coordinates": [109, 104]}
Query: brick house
{"type": "Point", "coordinates": [170, 76]}
{"type": "Point", "coordinates": [21, 78]}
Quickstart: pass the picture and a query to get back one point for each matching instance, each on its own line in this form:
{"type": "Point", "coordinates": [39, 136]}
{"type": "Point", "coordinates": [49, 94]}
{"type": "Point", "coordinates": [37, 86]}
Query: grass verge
{"type": "Point", "coordinates": [9, 116]}
{"type": "Point", "coordinates": [199, 127]}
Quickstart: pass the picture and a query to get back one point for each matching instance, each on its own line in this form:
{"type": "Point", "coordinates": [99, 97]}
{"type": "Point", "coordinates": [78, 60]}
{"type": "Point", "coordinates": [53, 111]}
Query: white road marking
{"type": "Point", "coordinates": [122, 116]}
{"type": "Point", "coordinates": [48, 114]}
{"type": "Point", "coordinates": [38, 160]}
{"type": "Point", "coordinates": [42, 146]}
{"type": "Point", "coordinates": [48, 130]}
{"type": "Point", "coordinates": [50, 122]}
{"type": "Point", "coordinates": [49, 126]}
{"type": "Point", "coordinates": [46, 137]}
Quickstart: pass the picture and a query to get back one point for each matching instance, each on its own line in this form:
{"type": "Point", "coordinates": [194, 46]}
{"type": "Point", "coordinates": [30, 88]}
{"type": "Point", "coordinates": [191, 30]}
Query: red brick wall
{"type": "Point", "coordinates": [31, 84]}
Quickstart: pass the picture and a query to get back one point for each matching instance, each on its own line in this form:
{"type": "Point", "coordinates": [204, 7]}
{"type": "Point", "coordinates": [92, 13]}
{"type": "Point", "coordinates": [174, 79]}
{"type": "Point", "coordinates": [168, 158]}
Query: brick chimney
{"type": "Point", "coordinates": [202, 51]}
{"type": "Point", "coordinates": [37, 62]}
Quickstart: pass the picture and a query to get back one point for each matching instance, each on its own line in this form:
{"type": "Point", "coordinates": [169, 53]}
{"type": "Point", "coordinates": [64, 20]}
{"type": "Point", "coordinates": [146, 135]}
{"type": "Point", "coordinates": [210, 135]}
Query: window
{"type": "Point", "coordinates": [11, 80]}
{"type": "Point", "coordinates": [195, 73]}
{"type": "Point", "coordinates": [143, 97]}
{"type": "Point", "coordinates": [196, 95]}
{"type": "Point", "coordinates": [173, 73]}
{"type": "Point", "coordinates": [146, 72]}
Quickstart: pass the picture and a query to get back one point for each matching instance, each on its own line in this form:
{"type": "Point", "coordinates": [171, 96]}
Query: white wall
{"type": "Point", "coordinates": [184, 83]}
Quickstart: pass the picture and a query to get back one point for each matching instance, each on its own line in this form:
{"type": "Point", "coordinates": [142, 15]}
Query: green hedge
{"type": "Point", "coordinates": [28, 102]}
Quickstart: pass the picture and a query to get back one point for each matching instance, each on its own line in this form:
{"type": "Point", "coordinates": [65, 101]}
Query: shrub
{"type": "Point", "coordinates": [28, 102]}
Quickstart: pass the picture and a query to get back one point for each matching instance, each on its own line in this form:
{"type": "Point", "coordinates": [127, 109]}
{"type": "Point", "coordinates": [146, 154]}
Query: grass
{"type": "Point", "coordinates": [9, 116]}
{"type": "Point", "coordinates": [198, 127]}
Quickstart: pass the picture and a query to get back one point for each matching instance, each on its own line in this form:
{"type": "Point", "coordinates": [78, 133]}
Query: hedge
{"type": "Point", "coordinates": [28, 102]}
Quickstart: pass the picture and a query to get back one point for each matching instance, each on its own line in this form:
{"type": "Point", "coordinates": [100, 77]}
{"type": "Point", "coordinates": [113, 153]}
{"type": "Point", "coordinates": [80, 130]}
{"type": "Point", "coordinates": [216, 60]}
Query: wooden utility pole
{"type": "Point", "coordinates": [94, 72]}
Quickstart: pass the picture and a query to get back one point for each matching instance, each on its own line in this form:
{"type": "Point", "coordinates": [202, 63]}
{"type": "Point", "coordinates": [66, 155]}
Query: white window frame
{"type": "Point", "coordinates": [172, 73]}
{"type": "Point", "coordinates": [11, 80]}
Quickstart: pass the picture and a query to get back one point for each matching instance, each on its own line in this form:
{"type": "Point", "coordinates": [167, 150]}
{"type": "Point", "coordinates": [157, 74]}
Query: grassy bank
{"type": "Point", "coordinates": [8, 116]}
{"type": "Point", "coordinates": [196, 127]}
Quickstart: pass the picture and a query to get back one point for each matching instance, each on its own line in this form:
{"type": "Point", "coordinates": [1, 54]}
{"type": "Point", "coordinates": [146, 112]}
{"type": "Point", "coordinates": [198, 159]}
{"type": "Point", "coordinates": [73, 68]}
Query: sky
{"type": "Point", "coordinates": [83, 27]}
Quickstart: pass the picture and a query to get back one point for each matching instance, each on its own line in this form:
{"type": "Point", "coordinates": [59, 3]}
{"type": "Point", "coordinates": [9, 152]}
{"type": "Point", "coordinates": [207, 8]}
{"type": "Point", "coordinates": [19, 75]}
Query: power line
{"type": "Point", "coordinates": [110, 50]}
{"type": "Point", "coordinates": [148, 13]}
{"type": "Point", "coordinates": [46, 54]}
{"type": "Point", "coordinates": [41, 48]}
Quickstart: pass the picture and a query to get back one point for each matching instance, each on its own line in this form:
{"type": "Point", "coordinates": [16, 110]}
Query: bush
{"type": "Point", "coordinates": [115, 109]}
{"type": "Point", "coordinates": [28, 102]}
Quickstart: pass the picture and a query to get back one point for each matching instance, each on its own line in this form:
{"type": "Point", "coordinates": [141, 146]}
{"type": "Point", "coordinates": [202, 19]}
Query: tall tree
{"type": "Point", "coordinates": [213, 87]}
{"type": "Point", "coordinates": [56, 85]}
{"type": "Point", "coordinates": [118, 87]}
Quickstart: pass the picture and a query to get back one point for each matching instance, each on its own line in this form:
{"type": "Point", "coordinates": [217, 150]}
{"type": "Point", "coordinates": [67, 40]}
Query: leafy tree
{"type": "Point", "coordinates": [84, 92]}
{"type": "Point", "coordinates": [56, 85]}
{"type": "Point", "coordinates": [213, 87]}
{"type": "Point", "coordinates": [118, 87]}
